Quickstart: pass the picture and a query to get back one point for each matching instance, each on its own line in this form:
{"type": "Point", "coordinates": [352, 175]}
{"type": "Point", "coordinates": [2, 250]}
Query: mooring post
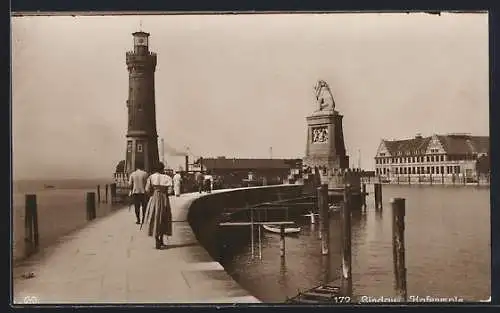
{"type": "Point", "coordinates": [378, 196]}
{"type": "Point", "coordinates": [325, 221]}
{"type": "Point", "coordinates": [98, 194]}
{"type": "Point", "coordinates": [442, 178]}
{"type": "Point", "coordinates": [345, 216]}
{"type": "Point", "coordinates": [320, 211]}
{"type": "Point", "coordinates": [260, 236]}
{"type": "Point", "coordinates": [251, 232]}
{"type": "Point", "coordinates": [430, 175]}
{"type": "Point", "coordinates": [398, 179]}
{"type": "Point", "coordinates": [464, 178]}
{"type": "Point", "coordinates": [113, 193]}
{"type": "Point", "coordinates": [398, 242]}
{"type": "Point", "coordinates": [91, 213]}
{"type": "Point", "coordinates": [106, 196]}
{"type": "Point", "coordinates": [282, 241]}
{"type": "Point", "coordinates": [409, 179]}
{"type": "Point", "coordinates": [31, 225]}
{"type": "Point", "coordinates": [364, 194]}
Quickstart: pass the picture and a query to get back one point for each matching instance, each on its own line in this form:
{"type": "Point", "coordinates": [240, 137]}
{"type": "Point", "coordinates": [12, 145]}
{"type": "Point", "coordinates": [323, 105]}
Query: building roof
{"type": "Point", "coordinates": [417, 143]}
{"type": "Point", "coordinates": [233, 163]}
{"type": "Point", "coordinates": [452, 144]}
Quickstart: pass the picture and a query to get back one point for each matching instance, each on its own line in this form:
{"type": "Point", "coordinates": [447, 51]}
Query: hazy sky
{"type": "Point", "coordinates": [236, 85]}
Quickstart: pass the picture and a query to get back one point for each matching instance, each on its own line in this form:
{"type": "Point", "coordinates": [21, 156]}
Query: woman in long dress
{"type": "Point", "coordinates": [158, 221]}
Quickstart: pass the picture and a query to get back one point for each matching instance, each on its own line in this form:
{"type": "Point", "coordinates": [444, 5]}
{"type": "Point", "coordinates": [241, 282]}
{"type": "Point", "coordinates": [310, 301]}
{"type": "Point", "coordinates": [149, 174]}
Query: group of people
{"type": "Point", "coordinates": [151, 192]}
{"type": "Point", "coordinates": [205, 182]}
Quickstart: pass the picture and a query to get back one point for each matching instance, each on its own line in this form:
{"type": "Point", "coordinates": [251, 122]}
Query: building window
{"type": "Point", "coordinates": [428, 159]}
{"type": "Point", "coordinates": [139, 147]}
{"type": "Point", "coordinates": [437, 169]}
{"type": "Point", "coordinates": [397, 172]}
{"type": "Point", "coordinates": [382, 154]}
{"type": "Point", "coordinates": [432, 169]}
{"type": "Point", "coordinates": [457, 169]}
{"type": "Point", "coordinates": [413, 170]}
{"type": "Point", "coordinates": [442, 169]}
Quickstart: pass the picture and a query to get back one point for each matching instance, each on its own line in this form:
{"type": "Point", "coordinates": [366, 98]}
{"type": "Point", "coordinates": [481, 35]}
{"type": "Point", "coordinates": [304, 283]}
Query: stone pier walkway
{"type": "Point", "coordinates": [112, 261]}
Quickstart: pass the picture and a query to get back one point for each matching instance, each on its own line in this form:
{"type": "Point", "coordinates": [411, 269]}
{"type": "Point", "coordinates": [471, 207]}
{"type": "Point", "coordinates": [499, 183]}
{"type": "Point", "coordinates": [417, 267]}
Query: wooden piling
{"type": "Point", "coordinates": [430, 175]}
{"type": "Point", "coordinates": [282, 241]}
{"type": "Point", "coordinates": [31, 225]}
{"type": "Point", "coordinates": [251, 233]}
{"type": "Point", "coordinates": [364, 194]}
{"type": "Point", "coordinates": [320, 211]}
{"type": "Point", "coordinates": [91, 211]}
{"type": "Point", "coordinates": [442, 178]}
{"type": "Point", "coordinates": [325, 220]}
{"type": "Point", "coordinates": [378, 196]}
{"type": "Point", "coordinates": [398, 243]}
{"type": "Point", "coordinates": [98, 194]}
{"type": "Point", "coordinates": [113, 193]}
{"type": "Point", "coordinates": [345, 224]}
{"type": "Point", "coordinates": [106, 195]}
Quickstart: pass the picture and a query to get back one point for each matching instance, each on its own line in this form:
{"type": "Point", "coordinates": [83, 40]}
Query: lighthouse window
{"type": "Point", "coordinates": [139, 147]}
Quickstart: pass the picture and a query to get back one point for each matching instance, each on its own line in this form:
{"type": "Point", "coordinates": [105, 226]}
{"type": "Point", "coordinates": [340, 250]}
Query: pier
{"type": "Point", "coordinates": [112, 261]}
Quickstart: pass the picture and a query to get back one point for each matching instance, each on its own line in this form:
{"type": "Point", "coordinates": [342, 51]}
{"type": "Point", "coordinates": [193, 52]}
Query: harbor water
{"type": "Point", "coordinates": [448, 251]}
{"type": "Point", "coordinates": [61, 209]}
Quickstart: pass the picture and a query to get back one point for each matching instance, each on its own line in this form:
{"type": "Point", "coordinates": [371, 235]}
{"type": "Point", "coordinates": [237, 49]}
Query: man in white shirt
{"type": "Point", "coordinates": [137, 183]}
{"type": "Point", "coordinates": [177, 183]}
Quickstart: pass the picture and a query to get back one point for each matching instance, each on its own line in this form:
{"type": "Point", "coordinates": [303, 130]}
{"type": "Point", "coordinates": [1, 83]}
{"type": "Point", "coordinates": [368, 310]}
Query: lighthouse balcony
{"type": "Point", "coordinates": [131, 56]}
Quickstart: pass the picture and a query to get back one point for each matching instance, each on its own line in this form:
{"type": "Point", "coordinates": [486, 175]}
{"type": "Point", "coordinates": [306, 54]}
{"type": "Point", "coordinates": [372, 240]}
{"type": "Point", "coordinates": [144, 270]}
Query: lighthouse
{"type": "Point", "coordinates": [142, 136]}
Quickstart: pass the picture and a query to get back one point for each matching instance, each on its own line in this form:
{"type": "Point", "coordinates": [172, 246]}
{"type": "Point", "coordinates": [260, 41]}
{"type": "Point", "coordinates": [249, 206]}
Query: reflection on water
{"type": "Point", "coordinates": [447, 249]}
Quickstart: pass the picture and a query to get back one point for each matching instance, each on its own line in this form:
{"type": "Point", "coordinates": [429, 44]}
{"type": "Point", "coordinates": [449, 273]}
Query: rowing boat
{"type": "Point", "coordinates": [276, 229]}
{"type": "Point", "coordinates": [317, 295]}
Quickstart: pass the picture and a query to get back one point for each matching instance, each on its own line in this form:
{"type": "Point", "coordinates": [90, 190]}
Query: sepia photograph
{"type": "Point", "coordinates": [291, 158]}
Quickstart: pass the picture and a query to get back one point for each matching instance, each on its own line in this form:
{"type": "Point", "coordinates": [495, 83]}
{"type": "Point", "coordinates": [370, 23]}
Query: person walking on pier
{"type": "Point", "coordinates": [158, 220]}
{"type": "Point", "coordinates": [137, 183]}
{"type": "Point", "coordinates": [199, 181]}
{"type": "Point", "coordinates": [209, 181]}
{"type": "Point", "coordinates": [177, 183]}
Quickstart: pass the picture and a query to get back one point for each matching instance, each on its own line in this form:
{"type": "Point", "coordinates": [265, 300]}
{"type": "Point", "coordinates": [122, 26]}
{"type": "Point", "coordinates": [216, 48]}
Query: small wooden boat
{"type": "Point", "coordinates": [276, 229]}
{"type": "Point", "coordinates": [48, 187]}
{"type": "Point", "coordinates": [334, 208]}
{"type": "Point", "coordinates": [317, 295]}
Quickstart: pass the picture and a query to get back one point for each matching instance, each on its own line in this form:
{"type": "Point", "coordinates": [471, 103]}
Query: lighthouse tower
{"type": "Point", "coordinates": [142, 137]}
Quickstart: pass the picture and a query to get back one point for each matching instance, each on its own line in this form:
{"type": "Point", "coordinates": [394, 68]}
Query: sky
{"type": "Point", "coordinates": [236, 85]}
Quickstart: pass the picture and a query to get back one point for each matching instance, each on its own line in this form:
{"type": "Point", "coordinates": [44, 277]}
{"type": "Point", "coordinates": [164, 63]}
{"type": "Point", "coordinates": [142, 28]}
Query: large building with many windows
{"type": "Point", "coordinates": [456, 155]}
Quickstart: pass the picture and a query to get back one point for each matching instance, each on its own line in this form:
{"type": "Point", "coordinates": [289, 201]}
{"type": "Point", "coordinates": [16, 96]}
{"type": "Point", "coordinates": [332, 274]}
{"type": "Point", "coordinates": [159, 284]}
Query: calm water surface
{"type": "Point", "coordinates": [447, 249]}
